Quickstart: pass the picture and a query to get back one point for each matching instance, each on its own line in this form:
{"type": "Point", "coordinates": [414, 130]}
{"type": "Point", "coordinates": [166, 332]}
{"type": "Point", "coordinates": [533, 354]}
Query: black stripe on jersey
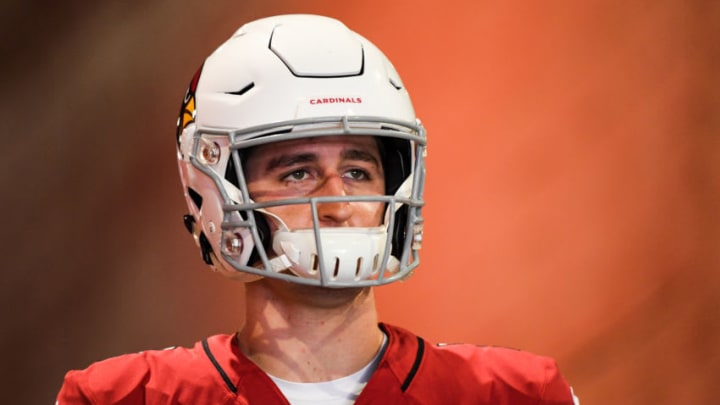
{"type": "Point", "coordinates": [219, 369]}
{"type": "Point", "coordinates": [416, 364]}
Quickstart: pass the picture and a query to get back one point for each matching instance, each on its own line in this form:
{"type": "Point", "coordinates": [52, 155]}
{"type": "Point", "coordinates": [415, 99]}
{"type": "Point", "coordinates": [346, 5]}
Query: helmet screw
{"type": "Point", "coordinates": [232, 243]}
{"type": "Point", "coordinates": [209, 152]}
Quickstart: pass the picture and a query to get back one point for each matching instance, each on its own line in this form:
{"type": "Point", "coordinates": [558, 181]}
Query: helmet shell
{"type": "Point", "coordinates": [284, 73]}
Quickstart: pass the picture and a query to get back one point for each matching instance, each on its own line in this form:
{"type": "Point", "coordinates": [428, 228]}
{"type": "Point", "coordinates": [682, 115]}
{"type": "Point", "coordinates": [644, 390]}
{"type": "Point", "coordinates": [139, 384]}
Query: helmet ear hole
{"type": "Point", "coordinates": [195, 197]}
{"type": "Point", "coordinates": [205, 248]}
{"type": "Point", "coordinates": [189, 222]}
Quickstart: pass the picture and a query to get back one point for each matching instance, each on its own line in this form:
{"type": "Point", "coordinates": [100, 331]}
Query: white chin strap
{"type": "Point", "coordinates": [348, 254]}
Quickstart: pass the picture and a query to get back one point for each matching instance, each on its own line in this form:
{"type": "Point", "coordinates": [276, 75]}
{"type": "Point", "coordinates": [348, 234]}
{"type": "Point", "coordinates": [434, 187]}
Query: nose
{"type": "Point", "coordinates": [336, 213]}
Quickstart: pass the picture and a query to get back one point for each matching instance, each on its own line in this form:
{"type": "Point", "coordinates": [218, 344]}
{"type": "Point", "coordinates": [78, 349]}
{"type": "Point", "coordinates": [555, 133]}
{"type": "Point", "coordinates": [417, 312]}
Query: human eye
{"type": "Point", "coordinates": [357, 174]}
{"type": "Point", "coordinates": [296, 175]}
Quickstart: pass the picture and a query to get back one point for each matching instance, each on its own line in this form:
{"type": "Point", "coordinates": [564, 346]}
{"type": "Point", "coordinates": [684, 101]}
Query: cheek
{"type": "Point", "coordinates": [261, 191]}
{"type": "Point", "coordinates": [368, 214]}
{"type": "Point", "coordinates": [294, 216]}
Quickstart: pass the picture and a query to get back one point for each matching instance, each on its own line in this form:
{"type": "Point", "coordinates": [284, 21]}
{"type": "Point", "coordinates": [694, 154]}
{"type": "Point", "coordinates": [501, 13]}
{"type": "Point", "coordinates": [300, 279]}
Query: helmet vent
{"type": "Point", "coordinates": [336, 270]}
{"type": "Point", "coordinates": [243, 90]}
{"type": "Point", "coordinates": [395, 83]}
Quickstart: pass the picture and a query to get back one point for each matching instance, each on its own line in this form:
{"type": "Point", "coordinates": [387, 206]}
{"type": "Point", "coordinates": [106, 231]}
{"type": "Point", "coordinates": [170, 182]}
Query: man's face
{"type": "Point", "coordinates": [324, 166]}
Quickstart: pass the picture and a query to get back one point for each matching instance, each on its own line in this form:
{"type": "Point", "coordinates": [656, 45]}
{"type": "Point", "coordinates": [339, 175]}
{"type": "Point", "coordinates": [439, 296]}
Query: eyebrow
{"type": "Point", "coordinates": [293, 159]}
{"type": "Point", "coordinates": [362, 155]}
{"type": "Point", "coordinates": [289, 160]}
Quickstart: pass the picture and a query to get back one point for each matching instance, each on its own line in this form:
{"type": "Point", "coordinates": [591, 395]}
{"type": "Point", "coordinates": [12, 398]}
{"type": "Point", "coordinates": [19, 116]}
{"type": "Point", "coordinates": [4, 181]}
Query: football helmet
{"type": "Point", "coordinates": [288, 77]}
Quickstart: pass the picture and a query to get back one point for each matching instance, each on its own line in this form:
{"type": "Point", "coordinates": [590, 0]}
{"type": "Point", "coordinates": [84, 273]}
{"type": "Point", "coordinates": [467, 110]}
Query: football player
{"type": "Point", "coordinates": [303, 165]}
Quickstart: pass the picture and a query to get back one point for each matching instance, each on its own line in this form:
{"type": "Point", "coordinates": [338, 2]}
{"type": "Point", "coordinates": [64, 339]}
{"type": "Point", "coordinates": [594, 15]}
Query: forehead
{"type": "Point", "coordinates": [322, 144]}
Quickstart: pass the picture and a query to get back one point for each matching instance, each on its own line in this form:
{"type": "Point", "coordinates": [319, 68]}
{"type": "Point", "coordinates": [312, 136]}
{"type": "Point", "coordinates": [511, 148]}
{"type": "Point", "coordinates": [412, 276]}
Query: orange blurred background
{"type": "Point", "coordinates": [572, 194]}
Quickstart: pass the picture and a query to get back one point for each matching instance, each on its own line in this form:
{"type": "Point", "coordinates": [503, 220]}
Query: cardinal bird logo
{"type": "Point", "coordinates": [187, 110]}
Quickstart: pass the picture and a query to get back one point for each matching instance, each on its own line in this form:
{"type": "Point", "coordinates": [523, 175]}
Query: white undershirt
{"type": "Point", "coordinates": [342, 391]}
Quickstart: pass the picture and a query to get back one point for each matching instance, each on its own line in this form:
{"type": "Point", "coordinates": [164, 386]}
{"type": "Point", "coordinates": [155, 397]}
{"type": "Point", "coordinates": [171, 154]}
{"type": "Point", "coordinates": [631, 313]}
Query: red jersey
{"type": "Point", "coordinates": [411, 371]}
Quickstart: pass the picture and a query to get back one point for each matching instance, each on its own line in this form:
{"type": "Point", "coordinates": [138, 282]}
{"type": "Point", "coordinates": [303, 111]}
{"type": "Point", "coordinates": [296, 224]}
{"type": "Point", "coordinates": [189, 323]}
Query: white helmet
{"type": "Point", "coordinates": [290, 77]}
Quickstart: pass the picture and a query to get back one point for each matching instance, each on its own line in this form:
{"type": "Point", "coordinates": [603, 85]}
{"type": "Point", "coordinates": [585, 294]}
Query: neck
{"type": "Point", "coordinates": [309, 334]}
